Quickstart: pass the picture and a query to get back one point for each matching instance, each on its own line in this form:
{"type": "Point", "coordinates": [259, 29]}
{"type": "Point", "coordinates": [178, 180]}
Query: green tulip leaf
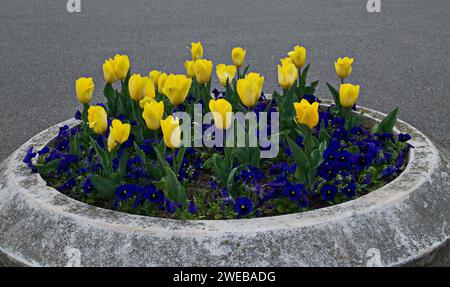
{"type": "Point", "coordinates": [388, 123]}
{"type": "Point", "coordinates": [106, 188]}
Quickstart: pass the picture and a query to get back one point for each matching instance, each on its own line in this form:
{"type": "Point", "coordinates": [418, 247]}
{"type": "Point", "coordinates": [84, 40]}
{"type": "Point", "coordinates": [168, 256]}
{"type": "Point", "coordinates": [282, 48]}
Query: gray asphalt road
{"type": "Point", "coordinates": [402, 54]}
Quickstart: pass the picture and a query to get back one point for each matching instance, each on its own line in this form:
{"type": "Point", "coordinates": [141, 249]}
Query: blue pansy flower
{"type": "Point", "coordinates": [349, 190]}
{"type": "Point", "coordinates": [357, 131]}
{"type": "Point", "coordinates": [28, 159]}
{"type": "Point", "coordinates": [78, 115]}
{"type": "Point", "coordinates": [388, 171]}
{"type": "Point", "coordinates": [328, 192]}
{"type": "Point", "coordinates": [88, 187]}
{"type": "Point", "coordinates": [126, 191]}
{"type": "Point", "coordinates": [243, 206]}
{"type": "Point", "coordinates": [146, 145]}
{"type": "Point", "coordinates": [294, 191]}
{"type": "Point", "coordinates": [303, 201]}
{"type": "Point", "coordinates": [152, 194]}
{"type": "Point", "coordinates": [44, 150]}
{"type": "Point", "coordinates": [403, 137]}
{"type": "Point", "coordinates": [192, 208]}
{"type": "Point", "coordinates": [171, 206]}
{"type": "Point", "coordinates": [68, 185]}
{"type": "Point", "coordinates": [328, 171]}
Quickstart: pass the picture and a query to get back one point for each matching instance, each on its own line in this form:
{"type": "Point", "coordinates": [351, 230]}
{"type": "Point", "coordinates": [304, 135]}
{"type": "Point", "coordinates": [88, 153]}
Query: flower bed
{"type": "Point", "coordinates": [131, 153]}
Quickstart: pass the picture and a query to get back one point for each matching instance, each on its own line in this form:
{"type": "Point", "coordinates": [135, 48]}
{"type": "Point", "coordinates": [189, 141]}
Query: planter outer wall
{"type": "Point", "coordinates": [402, 223]}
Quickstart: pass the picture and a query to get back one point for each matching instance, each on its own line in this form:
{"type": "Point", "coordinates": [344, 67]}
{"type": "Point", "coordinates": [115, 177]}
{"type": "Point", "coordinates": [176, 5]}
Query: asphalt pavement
{"type": "Point", "coordinates": [402, 54]}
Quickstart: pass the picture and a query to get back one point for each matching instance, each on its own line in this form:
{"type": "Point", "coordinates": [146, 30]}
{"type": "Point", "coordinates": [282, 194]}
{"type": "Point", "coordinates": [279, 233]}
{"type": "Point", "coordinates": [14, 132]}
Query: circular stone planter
{"type": "Point", "coordinates": [403, 223]}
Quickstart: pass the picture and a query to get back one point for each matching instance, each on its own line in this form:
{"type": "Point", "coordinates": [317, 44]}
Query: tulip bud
{"type": "Point", "coordinates": [196, 51]}
{"type": "Point", "coordinates": [153, 113]}
{"type": "Point", "coordinates": [221, 110]}
{"type": "Point", "coordinates": [121, 66]}
{"type": "Point", "coordinates": [287, 74]}
{"type": "Point", "coordinates": [306, 113]}
{"type": "Point", "coordinates": [171, 132]}
{"type": "Point", "coordinates": [343, 67]}
{"type": "Point", "coordinates": [84, 88]}
{"type": "Point", "coordinates": [161, 81]}
{"type": "Point", "coordinates": [176, 88]}
{"type": "Point", "coordinates": [298, 56]}
{"type": "Point", "coordinates": [154, 76]}
{"type": "Point", "coordinates": [189, 65]}
{"type": "Point", "coordinates": [118, 134]}
{"type": "Point", "coordinates": [140, 87]}
{"type": "Point", "coordinates": [203, 70]}
{"type": "Point", "coordinates": [238, 56]}
{"type": "Point", "coordinates": [108, 71]}
{"type": "Point", "coordinates": [348, 94]}
{"type": "Point", "coordinates": [97, 119]}
{"type": "Point", "coordinates": [249, 89]}
{"type": "Point", "coordinates": [225, 73]}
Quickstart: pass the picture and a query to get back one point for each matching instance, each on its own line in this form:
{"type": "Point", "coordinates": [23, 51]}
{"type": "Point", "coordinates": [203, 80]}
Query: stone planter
{"type": "Point", "coordinates": [403, 223]}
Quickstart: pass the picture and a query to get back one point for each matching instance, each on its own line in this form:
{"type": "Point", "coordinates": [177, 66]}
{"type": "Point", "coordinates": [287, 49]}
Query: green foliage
{"type": "Point", "coordinates": [388, 123]}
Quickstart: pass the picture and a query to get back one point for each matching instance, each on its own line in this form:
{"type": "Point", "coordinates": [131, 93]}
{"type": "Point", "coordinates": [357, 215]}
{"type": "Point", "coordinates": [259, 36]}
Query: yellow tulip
{"type": "Point", "coordinates": [203, 70]}
{"type": "Point", "coordinates": [348, 94]}
{"type": "Point", "coordinates": [108, 71]}
{"type": "Point", "coordinates": [171, 132]}
{"type": "Point", "coordinates": [196, 51]}
{"type": "Point", "coordinates": [249, 89]}
{"type": "Point", "coordinates": [238, 56]}
{"type": "Point", "coordinates": [221, 110]}
{"type": "Point", "coordinates": [118, 134]}
{"type": "Point", "coordinates": [97, 119]}
{"type": "Point", "coordinates": [84, 88]}
{"type": "Point", "coordinates": [153, 113]}
{"type": "Point", "coordinates": [189, 65]}
{"type": "Point", "coordinates": [161, 80]}
{"type": "Point", "coordinates": [306, 113]}
{"type": "Point", "coordinates": [298, 56]}
{"type": "Point", "coordinates": [225, 73]}
{"type": "Point", "coordinates": [287, 74]}
{"type": "Point", "coordinates": [154, 76]}
{"type": "Point", "coordinates": [286, 61]}
{"type": "Point", "coordinates": [145, 100]}
{"type": "Point", "coordinates": [121, 66]}
{"type": "Point", "coordinates": [176, 88]}
{"type": "Point", "coordinates": [343, 67]}
{"type": "Point", "coordinates": [140, 87]}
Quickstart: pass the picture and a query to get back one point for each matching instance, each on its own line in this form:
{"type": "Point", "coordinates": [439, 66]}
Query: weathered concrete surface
{"type": "Point", "coordinates": [403, 223]}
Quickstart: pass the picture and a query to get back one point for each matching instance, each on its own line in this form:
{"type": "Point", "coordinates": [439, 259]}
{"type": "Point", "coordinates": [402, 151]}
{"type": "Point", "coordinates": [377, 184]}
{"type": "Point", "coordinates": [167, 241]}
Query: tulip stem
{"type": "Point", "coordinates": [238, 74]}
{"type": "Point", "coordinates": [342, 81]}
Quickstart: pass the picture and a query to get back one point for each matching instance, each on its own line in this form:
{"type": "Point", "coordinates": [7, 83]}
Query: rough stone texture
{"type": "Point", "coordinates": [402, 223]}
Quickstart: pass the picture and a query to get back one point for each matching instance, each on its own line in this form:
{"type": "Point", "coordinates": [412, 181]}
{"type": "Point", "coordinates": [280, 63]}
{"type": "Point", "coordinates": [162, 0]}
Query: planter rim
{"type": "Point", "coordinates": [30, 192]}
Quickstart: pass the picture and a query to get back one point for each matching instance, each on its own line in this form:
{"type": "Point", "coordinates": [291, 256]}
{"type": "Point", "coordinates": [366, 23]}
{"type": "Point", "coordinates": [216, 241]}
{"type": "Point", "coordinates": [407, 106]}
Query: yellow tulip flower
{"type": "Point", "coordinates": [225, 73]}
{"type": "Point", "coordinates": [196, 51]}
{"type": "Point", "coordinates": [238, 56]}
{"type": "Point", "coordinates": [84, 88]}
{"type": "Point", "coordinates": [348, 94]}
{"type": "Point", "coordinates": [249, 89]}
{"type": "Point", "coordinates": [121, 66]}
{"type": "Point", "coordinates": [171, 132]}
{"type": "Point", "coordinates": [154, 76]}
{"type": "Point", "coordinates": [221, 110]}
{"type": "Point", "coordinates": [189, 65]}
{"type": "Point", "coordinates": [203, 70]}
{"type": "Point", "coordinates": [176, 88]}
{"type": "Point", "coordinates": [306, 113]}
{"type": "Point", "coordinates": [145, 100]}
{"type": "Point", "coordinates": [140, 87]}
{"type": "Point", "coordinates": [298, 56]}
{"type": "Point", "coordinates": [153, 113]}
{"type": "Point", "coordinates": [108, 71]}
{"type": "Point", "coordinates": [118, 134]}
{"type": "Point", "coordinates": [161, 80]}
{"type": "Point", "coordinates": [287, 74]}
{"type": "Point", "coordinates": [343, 67]}
{"type": "Point", "coordinates": [97, 119]}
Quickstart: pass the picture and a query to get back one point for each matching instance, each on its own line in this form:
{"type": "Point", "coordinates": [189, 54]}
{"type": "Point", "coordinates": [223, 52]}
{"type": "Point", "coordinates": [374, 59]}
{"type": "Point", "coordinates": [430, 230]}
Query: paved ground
{"type": "Point", "coordinates": [402, 54]}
